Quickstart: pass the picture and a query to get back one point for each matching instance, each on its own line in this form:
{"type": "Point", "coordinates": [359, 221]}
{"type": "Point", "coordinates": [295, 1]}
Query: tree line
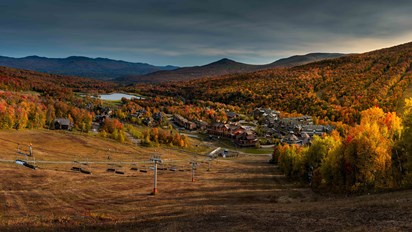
{"type": "Point", "coordinates": [375, 154]}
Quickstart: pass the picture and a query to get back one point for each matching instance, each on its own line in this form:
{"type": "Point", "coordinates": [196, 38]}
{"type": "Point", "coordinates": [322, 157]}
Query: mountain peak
{"type": "Point", "coordinates": [78, 58]}
{"type": "Point", "coordinates": [224, 61]}
{"type": "Point", "coordinates": [34, 57]}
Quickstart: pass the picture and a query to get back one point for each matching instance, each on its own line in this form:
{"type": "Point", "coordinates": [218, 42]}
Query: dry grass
{"type": "Point", "coordinates": [69, 146]}
{"type": "Point", "coordinates": [244, 194]}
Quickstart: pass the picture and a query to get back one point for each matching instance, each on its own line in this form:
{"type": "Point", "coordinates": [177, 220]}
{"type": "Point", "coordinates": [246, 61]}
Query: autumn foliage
{"type": "Point", "coordinates": [158, 136]}
{"type": "Point", "coordinates": [113, 128]}
{"type": "Point", "coordinates": [360, 160]}
{"type": "Point", "coordinates": [34, 100]}
{"type": "Point", "coordinates": [332, 90]}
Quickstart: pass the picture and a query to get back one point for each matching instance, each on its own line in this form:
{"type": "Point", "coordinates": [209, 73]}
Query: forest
{"type": "Point", "coordinates": [374, 155]}
{"type": "Point", "coordinates": [34, 100]}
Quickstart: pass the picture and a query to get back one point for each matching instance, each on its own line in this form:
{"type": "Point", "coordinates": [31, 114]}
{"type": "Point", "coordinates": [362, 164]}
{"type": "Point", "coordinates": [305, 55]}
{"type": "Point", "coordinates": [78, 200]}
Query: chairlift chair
{"type": "Point", "coordinates": [143, 169]}
{"type": "Point", "coordinates": [119, 170]}
{"type": "Point", "coordinates": [134, 167]}
{"type": "Point", "coordinates": [110, 168]}
{"type": "Point", "coordinates": [85, 170]}
{"type": "Point", "coordinates": [76, 167]}
{"type": "Point", "coordinates": [24, 163]}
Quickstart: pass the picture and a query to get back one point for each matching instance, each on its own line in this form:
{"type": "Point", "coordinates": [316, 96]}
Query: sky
{"type": "Point", "coordinates": [186, 33]}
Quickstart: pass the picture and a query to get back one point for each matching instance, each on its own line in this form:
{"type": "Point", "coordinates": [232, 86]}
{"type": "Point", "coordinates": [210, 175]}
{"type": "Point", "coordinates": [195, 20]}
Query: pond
{"type": "Point", "coordinates": [117, 96]}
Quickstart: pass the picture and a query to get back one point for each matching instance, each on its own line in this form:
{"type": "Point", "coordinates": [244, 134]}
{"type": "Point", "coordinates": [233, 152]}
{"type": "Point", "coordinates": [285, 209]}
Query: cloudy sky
{"type": "Point", "coordinates": [184, 32]}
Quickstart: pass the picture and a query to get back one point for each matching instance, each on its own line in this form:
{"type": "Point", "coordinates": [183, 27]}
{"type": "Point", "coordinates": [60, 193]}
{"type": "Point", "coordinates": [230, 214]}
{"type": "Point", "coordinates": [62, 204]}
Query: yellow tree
{"type": "Point", "coordinates": [155, 134]}
{"type": "Point", "coordinates": [332, 166]}
{"type": "Point", "coordinates": [369, 149]}
{"type": "Point", "coordinates": [21, 115]}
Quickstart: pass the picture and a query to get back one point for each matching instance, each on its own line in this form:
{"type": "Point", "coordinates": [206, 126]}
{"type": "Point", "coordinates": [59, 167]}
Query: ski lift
{"type": "Point", "coordinates": [76, 166]}
{"type": "Point", "coordinates": [134, 167]}
{"type": "Point", "coordinates": [143, 170]}
{"type": "Point", "coordinates": [26, 164]}
{"type": "Point", "coordinates": [119, 170]}
{"type": "Point", "coordinates": [85, 170]}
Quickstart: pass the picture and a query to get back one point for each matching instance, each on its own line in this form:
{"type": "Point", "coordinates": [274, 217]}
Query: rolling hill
{"type": "Point", "coordinates": [303, 59]}
{"type": "Point", "coordinates": [12, 79]}
{"type": "Point", "coordinates": [336, 89]}
{"type": "Point", "coordinates": [223, 67]}
{"type": "Point", "coordinates": [97, 68]}
{"type": "Point", "coordinates": [220, 67]}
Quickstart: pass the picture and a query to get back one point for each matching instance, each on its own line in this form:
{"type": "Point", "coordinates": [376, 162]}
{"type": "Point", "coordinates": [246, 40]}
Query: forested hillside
{"type": "Point", "coordinates": [12, 79]}
{"type": "Point", "coordinates": [33, 100]}
{"type": "Point", "coordinates": [336, 89]}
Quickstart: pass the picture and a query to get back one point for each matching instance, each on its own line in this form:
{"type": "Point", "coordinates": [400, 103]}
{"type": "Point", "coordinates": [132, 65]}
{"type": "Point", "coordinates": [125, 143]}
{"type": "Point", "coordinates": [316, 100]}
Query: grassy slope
{"type": "Point", "coordinates": [67, 146]}
{"type": "Point", "coordinates": [245, 194]}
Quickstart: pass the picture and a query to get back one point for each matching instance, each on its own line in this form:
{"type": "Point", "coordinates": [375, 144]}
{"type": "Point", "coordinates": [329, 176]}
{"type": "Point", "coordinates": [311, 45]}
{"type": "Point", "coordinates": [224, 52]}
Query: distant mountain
{"type": "Point", "coordinates": [304, 59]}
{"type": "Point", "coordinates": [223, 67]}
{"type": "Point", "coordinates": [97, 68]}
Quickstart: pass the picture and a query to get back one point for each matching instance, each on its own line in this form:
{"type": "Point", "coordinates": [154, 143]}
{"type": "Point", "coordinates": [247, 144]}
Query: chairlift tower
{"type": "Point", "coordinates": [156, 160]}
{"type": "Point", "coordinates": [30, 150]}
{"type": "Point", "coordinates": [194, 164]}
{"type": "Point", "coordinates": [31, 155]}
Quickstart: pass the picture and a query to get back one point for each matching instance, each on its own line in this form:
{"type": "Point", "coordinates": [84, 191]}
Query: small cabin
{"type": "Point", "coordinates": [62, 124]}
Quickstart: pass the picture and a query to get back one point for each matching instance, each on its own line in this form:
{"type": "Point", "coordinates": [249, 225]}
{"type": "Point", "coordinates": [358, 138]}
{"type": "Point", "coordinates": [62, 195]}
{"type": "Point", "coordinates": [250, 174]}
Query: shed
{"type": "Point", "coordinates": [62, 124]}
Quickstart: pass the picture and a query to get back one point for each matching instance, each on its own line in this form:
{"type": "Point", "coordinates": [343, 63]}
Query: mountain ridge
{"type": "Point", "coordinates": [223, 66]}
{"type": "Point", "coordinates": [297, 60]}
{"type": "Point", "coordinates": [96, 68]}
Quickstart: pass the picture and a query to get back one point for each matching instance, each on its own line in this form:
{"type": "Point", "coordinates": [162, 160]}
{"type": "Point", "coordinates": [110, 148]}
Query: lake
{"type": "Point", "coordinates": [117, 96]}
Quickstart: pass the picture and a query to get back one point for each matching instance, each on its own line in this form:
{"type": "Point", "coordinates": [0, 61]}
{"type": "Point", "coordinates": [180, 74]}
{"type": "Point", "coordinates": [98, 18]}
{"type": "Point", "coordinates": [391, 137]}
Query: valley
{"type": "Point", "coordinates": [311, 147]}
{"type": "Point", "coordinates": [213, 115]}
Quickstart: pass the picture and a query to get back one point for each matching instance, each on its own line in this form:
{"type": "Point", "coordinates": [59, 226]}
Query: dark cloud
{"type": "Point", "coordinates": [195, 32]}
